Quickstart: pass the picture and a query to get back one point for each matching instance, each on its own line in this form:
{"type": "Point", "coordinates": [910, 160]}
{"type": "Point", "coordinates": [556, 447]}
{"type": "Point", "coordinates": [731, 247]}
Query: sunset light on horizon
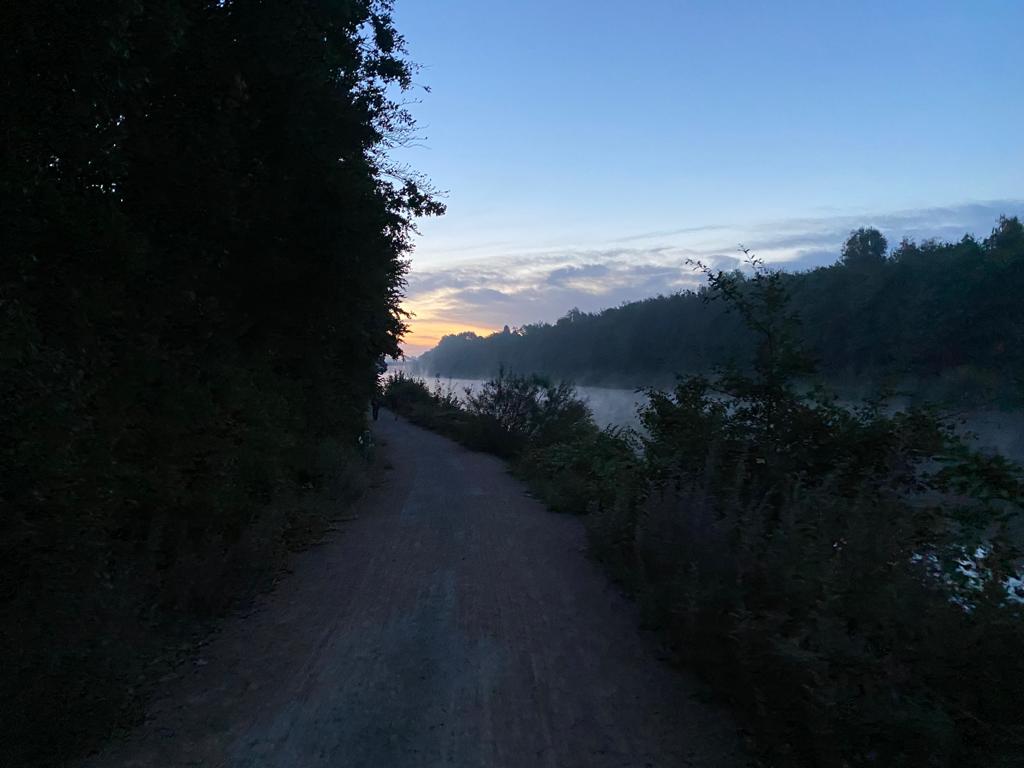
{"type": "Point", "coordinates": [574, 178]}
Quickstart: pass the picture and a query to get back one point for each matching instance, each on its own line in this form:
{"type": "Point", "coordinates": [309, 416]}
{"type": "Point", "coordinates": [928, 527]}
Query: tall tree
{"type": "Point", "coordinates": [865, 247]}
{"type": "Point", "coordinates": [203, 253]}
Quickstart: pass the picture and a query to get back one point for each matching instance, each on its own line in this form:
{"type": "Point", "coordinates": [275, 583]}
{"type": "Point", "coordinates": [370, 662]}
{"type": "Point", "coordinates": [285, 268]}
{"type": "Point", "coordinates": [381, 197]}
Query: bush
{"type": "Point", "coordinates": [530, 409]}
{"type": "Point", "coordinates": [544, 428]}
{"type": "Point", "coordinates": [590, 470]}
{"type": "Point", "coordinates": [510, 415]}
{"type": "Point", "coordinates": [841, 575]}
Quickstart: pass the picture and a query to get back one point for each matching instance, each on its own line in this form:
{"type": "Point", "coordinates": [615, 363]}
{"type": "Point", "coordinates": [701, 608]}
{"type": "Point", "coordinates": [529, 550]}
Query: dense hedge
{"type": "Point", "coordinates": [203, 250]}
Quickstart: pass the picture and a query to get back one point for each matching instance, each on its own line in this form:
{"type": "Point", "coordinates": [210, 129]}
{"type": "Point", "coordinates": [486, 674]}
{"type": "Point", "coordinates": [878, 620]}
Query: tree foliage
{"type": "Point", "coordinates": [864, 248]}
{"type": "Point", "coordinates": [845, 574]}
{"type": "Point", "coordinates": [203, 256]}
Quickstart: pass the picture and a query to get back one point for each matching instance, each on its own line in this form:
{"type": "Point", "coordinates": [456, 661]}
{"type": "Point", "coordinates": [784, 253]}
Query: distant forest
{"type": "Point", "coordinates": [946, 319]}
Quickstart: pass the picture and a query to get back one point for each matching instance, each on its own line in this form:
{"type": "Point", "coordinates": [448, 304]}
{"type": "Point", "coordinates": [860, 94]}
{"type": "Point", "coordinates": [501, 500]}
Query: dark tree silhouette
{"type": "Point", "coordinates": [864, 247]}
{"type": "Point", "coordinates": [204, 249]}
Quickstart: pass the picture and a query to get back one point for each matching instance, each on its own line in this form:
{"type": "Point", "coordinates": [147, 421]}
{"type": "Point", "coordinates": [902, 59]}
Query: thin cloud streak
{"type": "Point", "coordinates": [671, 232]}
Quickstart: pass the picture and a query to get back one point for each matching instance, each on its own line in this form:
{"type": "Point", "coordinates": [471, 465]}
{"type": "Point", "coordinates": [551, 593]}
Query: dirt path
{"type": "Point", "coordinates": [456, 622]}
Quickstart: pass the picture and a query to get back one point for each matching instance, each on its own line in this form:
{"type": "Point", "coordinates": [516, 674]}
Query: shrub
{"type": "Point", "coordinates": [840, 574]}
{"type": "Point", "coordinates": [531, 409]}
{"type": "Point", "coordinates": [590, 470]}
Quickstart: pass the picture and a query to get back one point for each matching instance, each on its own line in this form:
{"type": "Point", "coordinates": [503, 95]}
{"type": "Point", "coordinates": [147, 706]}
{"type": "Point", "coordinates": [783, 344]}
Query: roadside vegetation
{"type": "Point", "coordinates": [845, 577]}
{"type": "Point", "coordinates": [940, 321]}
{"type": "Point", "coordinates": [203, 256]}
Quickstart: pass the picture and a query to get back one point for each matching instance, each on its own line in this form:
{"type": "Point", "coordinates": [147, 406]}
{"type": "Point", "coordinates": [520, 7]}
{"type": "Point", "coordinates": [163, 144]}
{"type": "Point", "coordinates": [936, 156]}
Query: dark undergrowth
{"type": "Point", "coordinates": [98, 642]}
{"type": "Point", "coordinates": [842, 577]}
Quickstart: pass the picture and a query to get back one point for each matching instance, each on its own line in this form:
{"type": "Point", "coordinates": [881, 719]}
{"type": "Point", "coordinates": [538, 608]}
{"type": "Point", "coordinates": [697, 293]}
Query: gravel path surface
{"type": "Point", "coordinates": [455, 622]}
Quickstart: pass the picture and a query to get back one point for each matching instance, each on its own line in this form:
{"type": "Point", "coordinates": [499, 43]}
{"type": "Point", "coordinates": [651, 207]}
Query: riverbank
{"type": "Point", "coordinates": [993, 428]}
{"type": "Point", "coordinates": [808, 566]}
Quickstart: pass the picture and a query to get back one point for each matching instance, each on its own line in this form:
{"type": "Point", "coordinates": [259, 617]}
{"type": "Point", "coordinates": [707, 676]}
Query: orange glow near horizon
{"type": "Point", "coordinates": [435, 314]}
{"type": "Point", "coordinates": [426, 331]}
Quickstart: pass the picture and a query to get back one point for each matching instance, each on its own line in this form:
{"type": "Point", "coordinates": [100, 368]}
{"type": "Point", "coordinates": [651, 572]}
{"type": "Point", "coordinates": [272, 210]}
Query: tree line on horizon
{"type": "Point", "coordinates": [204, 248]}
{"type": "Point", "coordinates": [946, 316]}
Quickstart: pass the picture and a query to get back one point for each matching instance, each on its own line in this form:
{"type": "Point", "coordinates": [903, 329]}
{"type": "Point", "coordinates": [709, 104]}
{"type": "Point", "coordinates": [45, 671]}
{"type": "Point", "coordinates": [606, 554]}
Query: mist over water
{"type": "Point", "coordinates": [991, 429]}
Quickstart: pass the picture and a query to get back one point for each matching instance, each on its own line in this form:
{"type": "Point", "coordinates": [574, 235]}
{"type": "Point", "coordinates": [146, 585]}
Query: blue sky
{"type": "Point", "coordinates": [588, 148]}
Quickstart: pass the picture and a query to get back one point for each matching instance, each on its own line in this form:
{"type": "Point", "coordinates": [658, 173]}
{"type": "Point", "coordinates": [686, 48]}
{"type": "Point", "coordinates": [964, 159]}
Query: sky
{"type": "Point", "coordinates": [587, 149]}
